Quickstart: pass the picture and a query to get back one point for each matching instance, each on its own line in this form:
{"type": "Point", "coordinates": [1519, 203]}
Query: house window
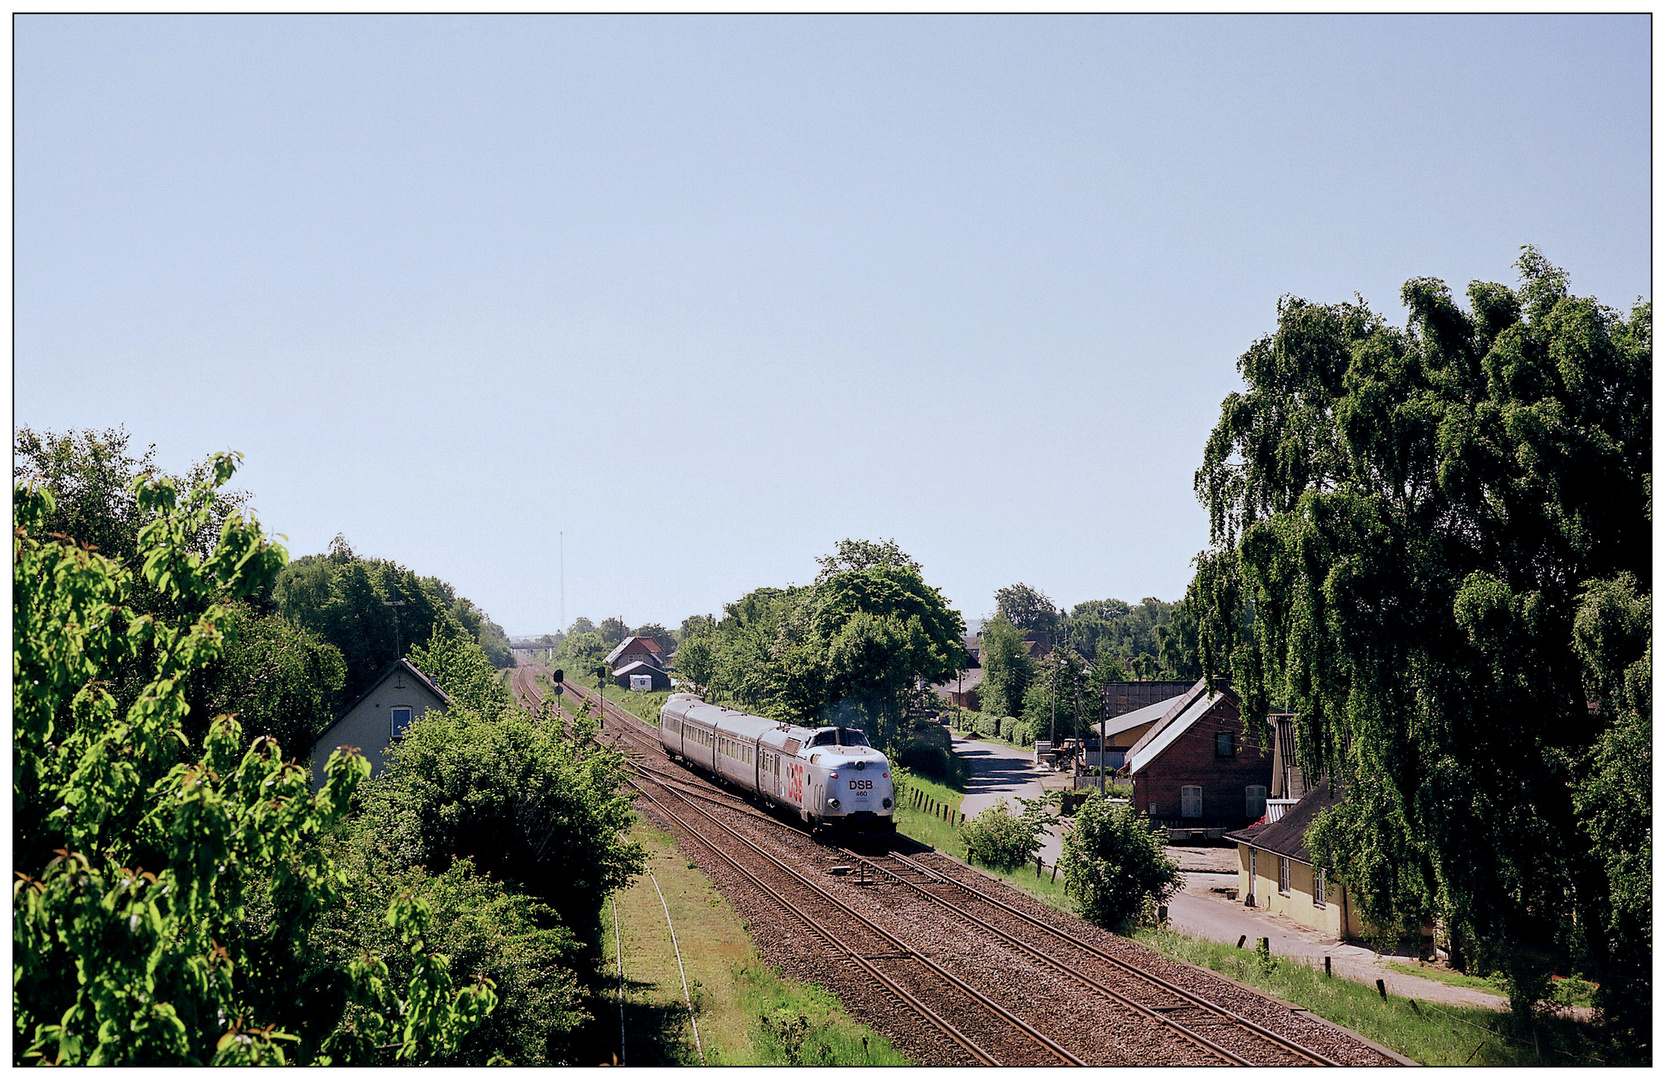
{"type": "Point", "coordinates": [1283, 875]}
{"type": "Point", "coordinates": [1190, 802]}
{"type": "Point", "coordinates": [1254, 801]}
{"type": "Point", "coordinates": [1225, 744]}
{"type": "Point", "coordinates": [401, 720]}
{"type": "Point", "coordinates": [1320, 888]}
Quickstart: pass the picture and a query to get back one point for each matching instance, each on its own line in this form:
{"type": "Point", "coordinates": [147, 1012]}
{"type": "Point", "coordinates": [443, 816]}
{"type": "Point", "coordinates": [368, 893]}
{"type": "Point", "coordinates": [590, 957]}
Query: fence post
{"type": "Point", "coordinates": [1326, 966]}
{"type": "Point", "coordinates": [1381, 988]}
{"type": "Point", "coordinates": [1241, 939]}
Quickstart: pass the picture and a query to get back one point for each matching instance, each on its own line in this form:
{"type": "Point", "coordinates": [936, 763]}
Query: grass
{"type": "Point", "coordinates": [644, 706]}
{"type": "Point", "coordinates": [733, 990]}
{"type": "Point", "coordinates": [924, 822]}
{"type": "Point", "coordinates": [1430, 1034]}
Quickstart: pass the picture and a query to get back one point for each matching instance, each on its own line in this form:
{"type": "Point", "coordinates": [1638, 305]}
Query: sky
{"type": "Point", "coordinates": [629, 316]}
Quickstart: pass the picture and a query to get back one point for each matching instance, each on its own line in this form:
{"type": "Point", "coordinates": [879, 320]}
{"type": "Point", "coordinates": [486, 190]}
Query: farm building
{"type": "Point", "coordinates": [399, 695]}
{"type": "Point", "coordinates": [639, 663]}
{"type": "Point", "coordinates": [1195, 770]}
{"type": "Point", "coordinates": [1130, 708]}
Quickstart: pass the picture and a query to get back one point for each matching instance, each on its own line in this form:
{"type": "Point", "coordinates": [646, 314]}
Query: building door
{"type": "Point", "coordinates": [1190, 802]}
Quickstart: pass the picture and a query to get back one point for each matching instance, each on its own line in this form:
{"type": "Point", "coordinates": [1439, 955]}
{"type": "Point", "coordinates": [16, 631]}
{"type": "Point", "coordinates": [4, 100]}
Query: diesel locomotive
{"type": "Point", "coordinates": [829, 777]}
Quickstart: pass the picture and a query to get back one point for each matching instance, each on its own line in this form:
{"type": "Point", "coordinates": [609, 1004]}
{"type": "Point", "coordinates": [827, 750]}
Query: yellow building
{"type": "Point", "coordinates": [1276, 872]}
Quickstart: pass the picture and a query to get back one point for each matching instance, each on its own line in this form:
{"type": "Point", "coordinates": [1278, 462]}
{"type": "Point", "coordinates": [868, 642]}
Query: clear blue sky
{"type": "Point", "coordinates": [710, 294]}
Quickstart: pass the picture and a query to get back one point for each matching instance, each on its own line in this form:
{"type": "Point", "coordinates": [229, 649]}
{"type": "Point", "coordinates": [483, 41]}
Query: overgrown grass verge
{"type": "Point", "coordinates": [1424, 1032]}
{"type": "Point", "coordinates": [921, 806]}
{"type": "Point", "coordinates": [733, 990]}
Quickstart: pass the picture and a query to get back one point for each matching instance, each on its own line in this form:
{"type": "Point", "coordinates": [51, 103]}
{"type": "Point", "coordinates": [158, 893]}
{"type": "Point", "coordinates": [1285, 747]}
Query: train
{"type": "Point", "coordinates": [830, 778]}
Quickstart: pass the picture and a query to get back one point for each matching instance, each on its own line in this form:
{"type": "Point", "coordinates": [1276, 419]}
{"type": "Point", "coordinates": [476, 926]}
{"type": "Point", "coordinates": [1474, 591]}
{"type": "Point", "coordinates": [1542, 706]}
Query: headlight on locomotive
{"type": "Point", "coordinates": [887, 804]}
{"type": "Point", "coordinates": [832, 803]}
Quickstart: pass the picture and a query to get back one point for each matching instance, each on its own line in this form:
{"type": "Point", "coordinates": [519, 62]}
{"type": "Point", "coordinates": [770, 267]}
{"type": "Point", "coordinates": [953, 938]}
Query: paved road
{"type": "Point", "coordinates": [1001, 773]}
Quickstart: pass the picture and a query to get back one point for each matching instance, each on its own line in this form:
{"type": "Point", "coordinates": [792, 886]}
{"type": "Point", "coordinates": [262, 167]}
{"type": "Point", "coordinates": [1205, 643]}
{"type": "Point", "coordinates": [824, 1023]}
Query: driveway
{"type": "Point", "coordinates": [1001, 773]}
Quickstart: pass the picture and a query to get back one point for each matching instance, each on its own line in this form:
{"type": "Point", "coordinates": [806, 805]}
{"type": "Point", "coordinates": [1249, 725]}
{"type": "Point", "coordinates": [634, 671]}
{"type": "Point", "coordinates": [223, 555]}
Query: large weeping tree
{"type": "Point", "coordinates": [1433, 544]}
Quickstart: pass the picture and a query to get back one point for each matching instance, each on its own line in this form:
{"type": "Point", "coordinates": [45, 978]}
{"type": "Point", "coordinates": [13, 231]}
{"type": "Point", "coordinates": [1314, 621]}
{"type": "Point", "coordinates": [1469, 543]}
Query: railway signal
{"type": "Point", "coordinates": [559, 689]}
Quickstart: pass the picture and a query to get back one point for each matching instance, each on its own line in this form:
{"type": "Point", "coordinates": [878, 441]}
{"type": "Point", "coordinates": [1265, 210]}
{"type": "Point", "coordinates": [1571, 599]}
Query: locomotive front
{"type": "Point", "coordinates": [850, 784]}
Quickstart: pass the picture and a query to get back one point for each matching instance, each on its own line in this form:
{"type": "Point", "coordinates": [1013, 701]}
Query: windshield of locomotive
{"type": "Point", "coordinates": [840, 737]}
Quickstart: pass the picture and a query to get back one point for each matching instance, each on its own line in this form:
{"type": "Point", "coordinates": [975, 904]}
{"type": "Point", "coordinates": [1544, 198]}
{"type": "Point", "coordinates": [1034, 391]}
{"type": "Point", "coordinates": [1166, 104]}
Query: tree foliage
{"type": "Point", "coordinates": [532, 806]}
{"type": "Point", "coordinates": [1027, 608]}
{"type": "Point", "coordinates": [1403, 523]}
{"type": "Point", "coordinates": [1115, 867]}
{"type": "Point", "coordinates": [853, 648]}
{"type": "Point", "coordinates": [999, 838]}
{"type": "Point", "coordinates": [119, 964]}
{"type": "Point", "coordinates": [1008, 669]}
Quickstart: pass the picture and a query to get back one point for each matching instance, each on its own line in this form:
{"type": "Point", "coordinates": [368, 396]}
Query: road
{"type": "Point", "coordinates": [1001, 773]}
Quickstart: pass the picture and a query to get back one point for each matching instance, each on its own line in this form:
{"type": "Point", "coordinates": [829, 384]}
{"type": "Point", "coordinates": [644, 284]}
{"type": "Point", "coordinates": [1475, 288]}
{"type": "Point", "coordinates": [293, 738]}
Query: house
{"type": "Point", "coordinates": [639, 663]}
{"type": "Point", "coordinates": [1277, 873]}
{"type": "Point", "coordinates": [961, 691]}
{"type": "Point", "coordinates": [1194, 770]}
{"type": "Point", "coordinates": [396, 697]}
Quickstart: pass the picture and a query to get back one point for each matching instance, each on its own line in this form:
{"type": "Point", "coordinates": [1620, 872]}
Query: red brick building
{"type": "Point", "coordinates": [1195, 767]}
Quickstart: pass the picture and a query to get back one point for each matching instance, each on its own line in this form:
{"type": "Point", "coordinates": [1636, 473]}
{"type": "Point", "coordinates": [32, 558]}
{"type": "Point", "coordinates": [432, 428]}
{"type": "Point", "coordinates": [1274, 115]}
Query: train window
{"type": "Point", "coordinates": [852, 737]}
{"type": "Point", "coordinates": [825, 738]}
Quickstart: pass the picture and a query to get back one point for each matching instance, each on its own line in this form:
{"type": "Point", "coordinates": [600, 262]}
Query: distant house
{"type": "Point", "coordinates": [639, 663]}
{"type": "Point", "coordinates": [961, 691]}
{"type": "Point", "coordinates": [1194, 769]}
{"type": "Point", "coordinates": [1276, 872]}
{"type": "Point", "coordinates": [378, 719]}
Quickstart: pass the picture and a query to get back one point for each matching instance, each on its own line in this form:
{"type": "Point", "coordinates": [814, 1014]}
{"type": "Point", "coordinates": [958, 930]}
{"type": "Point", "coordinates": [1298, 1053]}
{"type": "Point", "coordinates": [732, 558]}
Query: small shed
{"type": "Point", "coordinates": [373, 723]}
{"type": "Point", "coordinates": [632, 674]}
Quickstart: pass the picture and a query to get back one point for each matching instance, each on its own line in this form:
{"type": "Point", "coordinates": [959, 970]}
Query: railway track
{"type": "Point", "coordinates": [1176, 1016]}
{"type": "Point", "coordinates": [888, 950]}
{"type": "Point", "coordinates": [1193, 1017]}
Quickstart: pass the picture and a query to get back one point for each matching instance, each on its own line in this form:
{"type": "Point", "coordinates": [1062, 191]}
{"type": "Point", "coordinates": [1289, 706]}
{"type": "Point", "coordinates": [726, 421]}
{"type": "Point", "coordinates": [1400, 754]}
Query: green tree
{"type": "Point", "coordinates": [540, 809]}
{"type": "Point", "coordinates": [457, 664]}
{"type": "Point", "coordinates": [1402, 525]}
{"type": "Point", "coordinates": [487, 931]}
{"type": "Point", "coordinates": [279, 679]}
{"type": "Point", "coordinates": [696, 662]}
{"type": "Point", "coordinates": [613, 630]}
{"type": "Point", "coordinates": [1004, 840]}
{"type": "Point", "coordinates": [1115, 867]}
{"type": "Point", "coordinates": [1008, 669]}
{"type": "Point", "coordinates": [117, 964]}
{"type": "Point", "coordinates": [1026, 608]}
{"type": "Point", "coordinates": [1057, 699]}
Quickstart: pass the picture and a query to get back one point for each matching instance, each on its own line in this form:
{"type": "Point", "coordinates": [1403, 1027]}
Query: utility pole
{"type": "Point", "coordinates": [398, 641]}
{"type": "Point", "coordinates": [563, 540]}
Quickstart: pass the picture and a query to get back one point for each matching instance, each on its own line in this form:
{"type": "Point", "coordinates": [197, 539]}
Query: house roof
{"type": "Point", "coordinates": [638, 667]}
{"type": "Point", "coordinates": [1128, 721]}
{"type": "Point", "coordinates": [1183, 711]}
{"type": "Point", "coordinates": [623, 647]}
{"type": "Point", "coordinates": [1287, 836]}
{"type": "Point", "coordinates": [973, 678]}
{"type": "Point", "coordinates": [376, 683]}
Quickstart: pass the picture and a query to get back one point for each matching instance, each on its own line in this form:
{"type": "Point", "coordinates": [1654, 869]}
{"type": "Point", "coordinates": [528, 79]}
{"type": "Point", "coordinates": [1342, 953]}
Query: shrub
{"type": "Point", "coordinates": [1115, 868]}
{"type": "Point", "coordinates": [1004, 840]}
{"type": "Point", "coordinates": [928, 751]}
